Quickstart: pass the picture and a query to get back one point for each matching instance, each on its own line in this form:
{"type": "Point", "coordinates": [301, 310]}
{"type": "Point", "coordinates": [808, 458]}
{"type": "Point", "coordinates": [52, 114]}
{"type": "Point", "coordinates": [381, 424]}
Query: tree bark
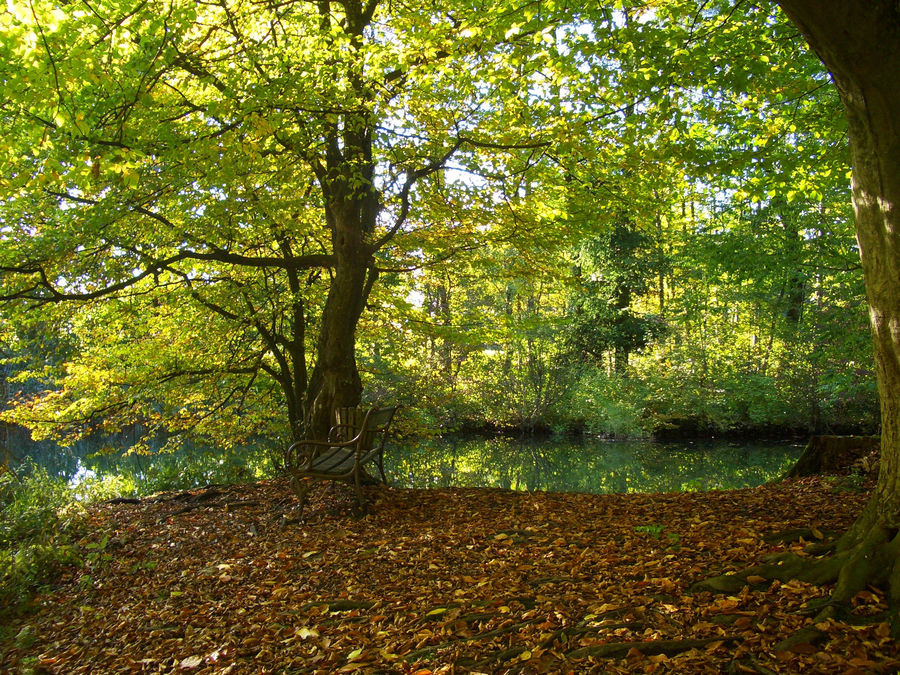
{"type": "Point", "coordinates": [295, 361]}
{"type": "Point", "coordinates": [335, 380]}
{"type": "Point", "coordinates": [346, 174]}
{"type": "Point", "coordinates": [859, 43]}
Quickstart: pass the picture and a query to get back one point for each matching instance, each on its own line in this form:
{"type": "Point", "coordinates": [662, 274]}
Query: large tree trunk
{"type": "Point", "coordinates": [859, 42]}
{"type": "Point", "coordinates": [346, 177]}
{"type": "Point", "coordinates": [335, 378]}
{"type": "Point", "coordinates": [351, 212]}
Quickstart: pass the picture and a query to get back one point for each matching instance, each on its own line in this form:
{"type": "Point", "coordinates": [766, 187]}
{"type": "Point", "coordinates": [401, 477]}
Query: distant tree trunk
{"type": "Point", "coordinates": [438, 295]}
{"type": "Point", "coordinates": [661, 274]}
{"type": "Point", "coordinates": [832, 453]}
{"type": "Point", "coordinates": [794, 291]}
{"type": "Point", "coordinates": [298, 383]}
{"type": "Point", "coordinates": [622, 350]}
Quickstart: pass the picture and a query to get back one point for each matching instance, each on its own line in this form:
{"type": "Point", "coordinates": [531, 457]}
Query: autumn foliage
{"type": "Point", "coordinates": [224, 580]}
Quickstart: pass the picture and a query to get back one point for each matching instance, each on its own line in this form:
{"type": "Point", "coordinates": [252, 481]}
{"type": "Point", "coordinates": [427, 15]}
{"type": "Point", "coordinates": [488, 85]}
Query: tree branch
{"type": "Point", "coordinates": [412, 178]}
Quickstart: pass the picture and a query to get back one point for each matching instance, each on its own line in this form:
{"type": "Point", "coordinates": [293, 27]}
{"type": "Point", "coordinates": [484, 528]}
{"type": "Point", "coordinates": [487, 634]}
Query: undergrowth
{"type": "Point", "coordinates": [42, 518]}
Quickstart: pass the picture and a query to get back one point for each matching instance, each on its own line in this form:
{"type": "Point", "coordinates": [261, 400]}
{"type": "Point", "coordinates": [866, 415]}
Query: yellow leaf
{"type": "Point", "coordinates": [305, 633]}
{"type": "Point", "coordinates": [190, 662]}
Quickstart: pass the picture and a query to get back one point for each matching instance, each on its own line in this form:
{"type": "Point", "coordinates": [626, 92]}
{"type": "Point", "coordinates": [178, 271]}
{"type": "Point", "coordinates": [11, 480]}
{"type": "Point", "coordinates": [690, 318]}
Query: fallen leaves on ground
{"type": "Point", "coordinates": [224, 580]}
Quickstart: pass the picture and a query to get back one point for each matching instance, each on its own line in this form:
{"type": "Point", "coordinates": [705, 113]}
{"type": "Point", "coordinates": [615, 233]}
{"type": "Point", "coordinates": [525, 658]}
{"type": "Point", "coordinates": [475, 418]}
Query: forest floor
{"type": "Point", "coordinates": [223, 580]}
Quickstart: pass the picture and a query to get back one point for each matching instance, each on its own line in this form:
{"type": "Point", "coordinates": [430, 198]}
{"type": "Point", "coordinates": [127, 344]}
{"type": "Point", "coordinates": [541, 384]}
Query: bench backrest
{"type": "Point", "coordinates": [376, 421]}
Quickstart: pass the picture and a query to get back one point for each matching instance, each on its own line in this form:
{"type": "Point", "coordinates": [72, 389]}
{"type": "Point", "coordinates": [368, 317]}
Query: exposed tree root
{"type": "Point", "coordinates": [867, 555]}
{"type": "Point", "coordinates": [806, 635]}
{"type": "Point", "coordinates": [427, 652]}
{"type": "Point", "coordinates": [748, 663]}
{"type": "Point", "coordinates": [228, 506]}
{"type": "Point", "coordinates": [613, 650]}
{"type": "Point", "coordinates": [562, 634]}
{"type": "Point", "coordinates": [805, 533]}
{"type": "Point", "coordinates": [617, 650]}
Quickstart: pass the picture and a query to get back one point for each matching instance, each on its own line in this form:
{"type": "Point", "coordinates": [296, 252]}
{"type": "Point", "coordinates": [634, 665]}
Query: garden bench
{"type": "Point", "coordinates": [356, 440]}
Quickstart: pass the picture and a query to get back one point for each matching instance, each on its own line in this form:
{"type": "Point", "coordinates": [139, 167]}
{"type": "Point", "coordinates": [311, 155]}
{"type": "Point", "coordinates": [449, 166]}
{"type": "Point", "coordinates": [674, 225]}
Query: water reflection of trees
{"type": "Point", "coordinates": [190, 466]}
{"type": "Point", "coordinates": [584, 466]}
{"type": "Point", "coordinates": [558, 465]}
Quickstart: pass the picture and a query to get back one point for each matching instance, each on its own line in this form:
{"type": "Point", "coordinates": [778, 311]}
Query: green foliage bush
{"type": "Point", "coordinates": [610, 405]}
{"type": "Point", "coordinates": [40, 518]}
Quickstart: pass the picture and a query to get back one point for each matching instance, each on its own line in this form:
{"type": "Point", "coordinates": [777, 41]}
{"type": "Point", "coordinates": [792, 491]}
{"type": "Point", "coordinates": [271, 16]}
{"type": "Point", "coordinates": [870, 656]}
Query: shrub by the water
{"type": "Point", "coordinates": [42, 518]}
{"type": "Point", "coordinates": [38, 517]}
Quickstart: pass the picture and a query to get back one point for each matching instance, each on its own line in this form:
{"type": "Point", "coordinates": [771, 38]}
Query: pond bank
{"type": "Point", "coordinates": [681, 429]}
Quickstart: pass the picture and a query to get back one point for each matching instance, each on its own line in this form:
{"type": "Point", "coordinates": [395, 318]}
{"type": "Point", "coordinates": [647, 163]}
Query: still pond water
{"type": "Point", "coordinates": [553, 464]}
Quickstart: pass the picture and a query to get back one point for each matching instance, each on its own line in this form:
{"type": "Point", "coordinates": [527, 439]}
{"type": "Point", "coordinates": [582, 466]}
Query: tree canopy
{"type": "Point", "coordinates": [217, 214]}
{"type": "Point", "coordinates": [249, 172]}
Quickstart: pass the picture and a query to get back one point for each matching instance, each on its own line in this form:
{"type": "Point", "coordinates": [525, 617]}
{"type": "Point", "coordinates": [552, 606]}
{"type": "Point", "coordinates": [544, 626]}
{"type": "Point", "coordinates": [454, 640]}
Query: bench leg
{"type": "Point", "coordinates": [359, 494]}
{"type": "Point", "coordinates": [381, 468]}
{"type": "Point", "coordinates": [301, 488]}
